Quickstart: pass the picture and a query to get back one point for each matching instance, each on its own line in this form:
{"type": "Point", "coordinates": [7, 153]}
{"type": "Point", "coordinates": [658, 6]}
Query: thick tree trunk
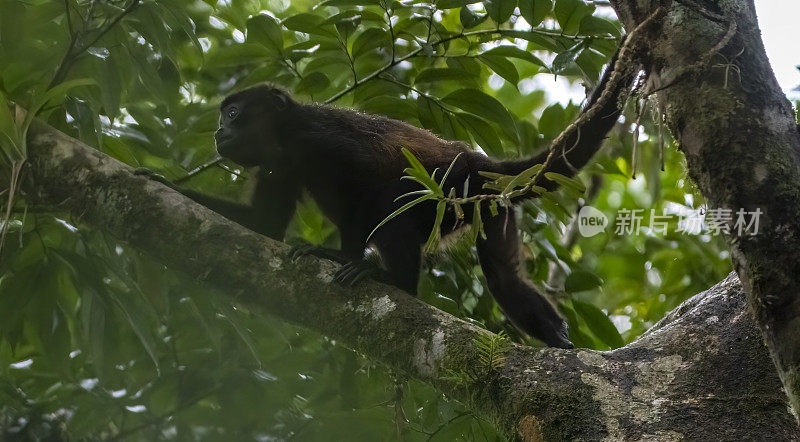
{"type": "Point", "coordinates": [742, 147]}
{"type": "Point", "coordinates": [701, 373]}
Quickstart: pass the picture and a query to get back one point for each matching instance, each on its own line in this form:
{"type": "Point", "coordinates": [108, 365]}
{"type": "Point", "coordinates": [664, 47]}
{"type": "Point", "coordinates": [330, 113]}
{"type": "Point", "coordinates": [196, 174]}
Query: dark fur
{"type": "Point", "coordinates": [351, 163]}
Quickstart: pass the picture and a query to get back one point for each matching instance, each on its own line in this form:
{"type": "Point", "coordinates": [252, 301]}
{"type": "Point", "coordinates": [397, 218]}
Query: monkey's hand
{"type": "Point", "coordinates": [352, 272]}
{"type": "Point", "coordinates": [141, 171]}
{"type": "Point", "coordinates": [305, 248]}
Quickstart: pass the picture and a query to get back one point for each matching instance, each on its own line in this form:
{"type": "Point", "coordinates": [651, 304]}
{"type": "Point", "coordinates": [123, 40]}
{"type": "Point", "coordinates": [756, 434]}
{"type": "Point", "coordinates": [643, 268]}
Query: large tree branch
{"type": "Point", "coordinates": [742, 147]}
{"type": "Point", "coordinates": [703, 372]}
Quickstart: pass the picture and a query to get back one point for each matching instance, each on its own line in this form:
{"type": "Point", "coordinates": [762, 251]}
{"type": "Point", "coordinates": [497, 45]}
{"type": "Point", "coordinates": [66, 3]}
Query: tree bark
{"type": "Point", "coordinates": [742, 146]}
{"type": "Point", "coordinates": [701, 373]}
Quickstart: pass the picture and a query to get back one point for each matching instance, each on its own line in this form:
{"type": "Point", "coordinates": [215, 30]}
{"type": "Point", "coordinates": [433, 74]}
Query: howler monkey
{"type": "Point", "coordinates": [351, 164]}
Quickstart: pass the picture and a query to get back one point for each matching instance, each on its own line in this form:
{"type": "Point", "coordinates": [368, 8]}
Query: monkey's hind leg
{"type": "Point", "coordinates": [398, 243]}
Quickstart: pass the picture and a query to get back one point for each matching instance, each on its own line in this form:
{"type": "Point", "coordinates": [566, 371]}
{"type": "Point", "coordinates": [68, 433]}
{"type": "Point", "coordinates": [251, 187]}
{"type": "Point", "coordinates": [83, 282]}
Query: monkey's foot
{"type": "Point", "coordinates": [353, 272]}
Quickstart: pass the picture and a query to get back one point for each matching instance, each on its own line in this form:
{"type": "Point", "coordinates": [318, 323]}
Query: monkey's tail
{"type": "Point", "coordinates": [578, 143]}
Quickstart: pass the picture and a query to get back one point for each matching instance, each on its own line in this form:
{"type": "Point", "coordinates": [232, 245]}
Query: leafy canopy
{"type": "Point", "coordinates": [98, 340]}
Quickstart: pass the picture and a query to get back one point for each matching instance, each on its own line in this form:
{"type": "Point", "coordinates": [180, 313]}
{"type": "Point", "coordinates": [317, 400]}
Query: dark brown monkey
{"type": "Point", "coordinates": [351, 164]}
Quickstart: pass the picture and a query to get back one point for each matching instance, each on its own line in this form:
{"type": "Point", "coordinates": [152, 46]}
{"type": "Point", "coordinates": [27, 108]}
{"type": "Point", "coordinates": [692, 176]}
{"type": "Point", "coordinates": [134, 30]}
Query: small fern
{"type": "Point", "coordinates": [492, 350]}
{"type": "Point", "coordinates": [462, 378]}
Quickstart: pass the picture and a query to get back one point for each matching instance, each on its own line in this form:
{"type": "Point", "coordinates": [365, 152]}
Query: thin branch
{"type": "Point", "coordinates": [397, 61]}
{"type": "Point", "coordinates": [394, 62]}
{"type": "Point", "coordinates": [199, 169]}
{"type": "Point", "coordinates": [74, 50]}
{"type": "Point", "coordinates": [407, 86]}
{"type": "Point", "coordinates": [684, 71]}
{"type": "Point", "coordinates": [388, 12]}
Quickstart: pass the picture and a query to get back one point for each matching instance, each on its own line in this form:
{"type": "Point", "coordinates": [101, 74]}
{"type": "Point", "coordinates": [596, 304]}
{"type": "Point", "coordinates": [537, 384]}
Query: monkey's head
{"type": "Point", "coordinates": [248, 125]}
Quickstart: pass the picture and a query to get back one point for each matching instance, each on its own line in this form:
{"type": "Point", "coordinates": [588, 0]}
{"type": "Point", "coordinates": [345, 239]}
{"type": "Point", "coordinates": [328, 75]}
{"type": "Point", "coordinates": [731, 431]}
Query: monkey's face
{"type": "Point", "coordinates": [247, 126]}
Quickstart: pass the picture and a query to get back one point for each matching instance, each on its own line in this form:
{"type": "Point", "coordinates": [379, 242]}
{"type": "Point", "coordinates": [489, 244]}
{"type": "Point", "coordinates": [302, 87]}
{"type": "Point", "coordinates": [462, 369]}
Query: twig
{"type": "Point", "coordinates": [704, 59]}
{"type": "Point", "coordinates": [436, 100]}
{"type": "Point", "coordinates": [395, 61]}
{"type": "Point", "coordinates": [198, 169]}
{"type": "Point", "coordinates": [74, 49]}
{"type": "Point", "coordinates": [388, 12]}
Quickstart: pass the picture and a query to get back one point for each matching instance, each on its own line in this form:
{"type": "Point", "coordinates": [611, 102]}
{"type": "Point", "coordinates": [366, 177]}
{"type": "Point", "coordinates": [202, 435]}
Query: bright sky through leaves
{"type": "Point", "coordinates": [778, 22]}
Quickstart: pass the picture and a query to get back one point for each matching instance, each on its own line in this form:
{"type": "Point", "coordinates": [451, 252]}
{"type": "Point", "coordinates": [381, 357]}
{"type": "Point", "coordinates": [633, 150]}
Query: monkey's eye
{"type": "Point", "coordinates": [232, 112]}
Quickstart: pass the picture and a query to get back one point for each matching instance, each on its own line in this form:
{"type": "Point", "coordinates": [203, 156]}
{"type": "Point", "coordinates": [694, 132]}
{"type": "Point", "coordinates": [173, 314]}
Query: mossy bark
{"type": "Point", "coordinates": [742, 147]}
{"type": "Point", "coordinates": [701, 373]}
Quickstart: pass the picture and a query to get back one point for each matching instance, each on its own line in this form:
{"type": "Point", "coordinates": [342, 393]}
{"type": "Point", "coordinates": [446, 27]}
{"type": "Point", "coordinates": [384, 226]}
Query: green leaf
{"type": "Point", "coordinates": [432, 117]}
{"type": "Point", "coordinates": [309, 24]}
{"type": "Point", "coordinates": [465, 63]}
{"type": "Point", "coordinates": [238, 55]}
{"type": "Point", "coordinates": [515, 52]}
{"type": "Point", "coordinates": [137, 318]}
{"type": "Point", "coordinates": [599, 324]}
{"type": "Point", "coordinates": [321, 63]}
{"type": "Point", "coordinates": [593, 25]}
{"type": "Point", "coordinates": [470, 19]}
{"type": "Point", "coordinates": [313, 83]}
{"type": "Point", "coordinates": [339, 3]}
{"type": "Point", "coordinates": [534, 11]}
{"type": "Point", "coordinates": [483, 133]}
{"type": "Point", "coordinates": [580, 280]}
{"type": "Point", "coordinates": [400, 210]}
{"type": "Point", "coordinates": [232, 316]}
{"type": "Point", "coordinates": [502, 67]}
{"type": "Point", "coordinates": [368, 40]}
{"type": "Point", "coordinates": [93, 319]}
{"type": "Point", "coordinates": [551, 43]}
{"type": "Point", "coordinates": [483, 105]}
{"type": "Point", "coordinates": [109, 81]}
{"type": "Point", "coordinates": [578, 337]}
{"type": "Point", "coordinates": [565, 58]}
{"type": "Point", "coordinates": [523, 178]}
{"type": "Point", "coordinates": [449, 169]}
{"type": "Point", "coordinates": [570, 13]}
{"type": "Point", "coordinates": [418, 171]}
{"type": "Point", "coordinates": [10, 144]}
{"type": "Point", "coordinates": [450, 4]}
{"type": "Point", "coordinates": [477, 223]}
{"type": "Point", "coordinates": [435, 75]}
{"type": "Point", "coordinates": [436, 233]}
{"type": "Point", "coordinates": [163, 397]}
{"type": "Point", "coordinates": [354, 16]}
{"type": "Point", "coordinates": [56, 93]}
{"type": "Point", "coordinates": [590, 63]}
{"type": "Point", "coordinates": [552, 121]}
{"type": "Point", "coordinates": [500, 10]}
{"type": "Point", "coordinates": [390, 106]}
{"type": "Point", "coordinates": [266, 31]}
{"type": "Point", "coordinates": [570, 184]}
